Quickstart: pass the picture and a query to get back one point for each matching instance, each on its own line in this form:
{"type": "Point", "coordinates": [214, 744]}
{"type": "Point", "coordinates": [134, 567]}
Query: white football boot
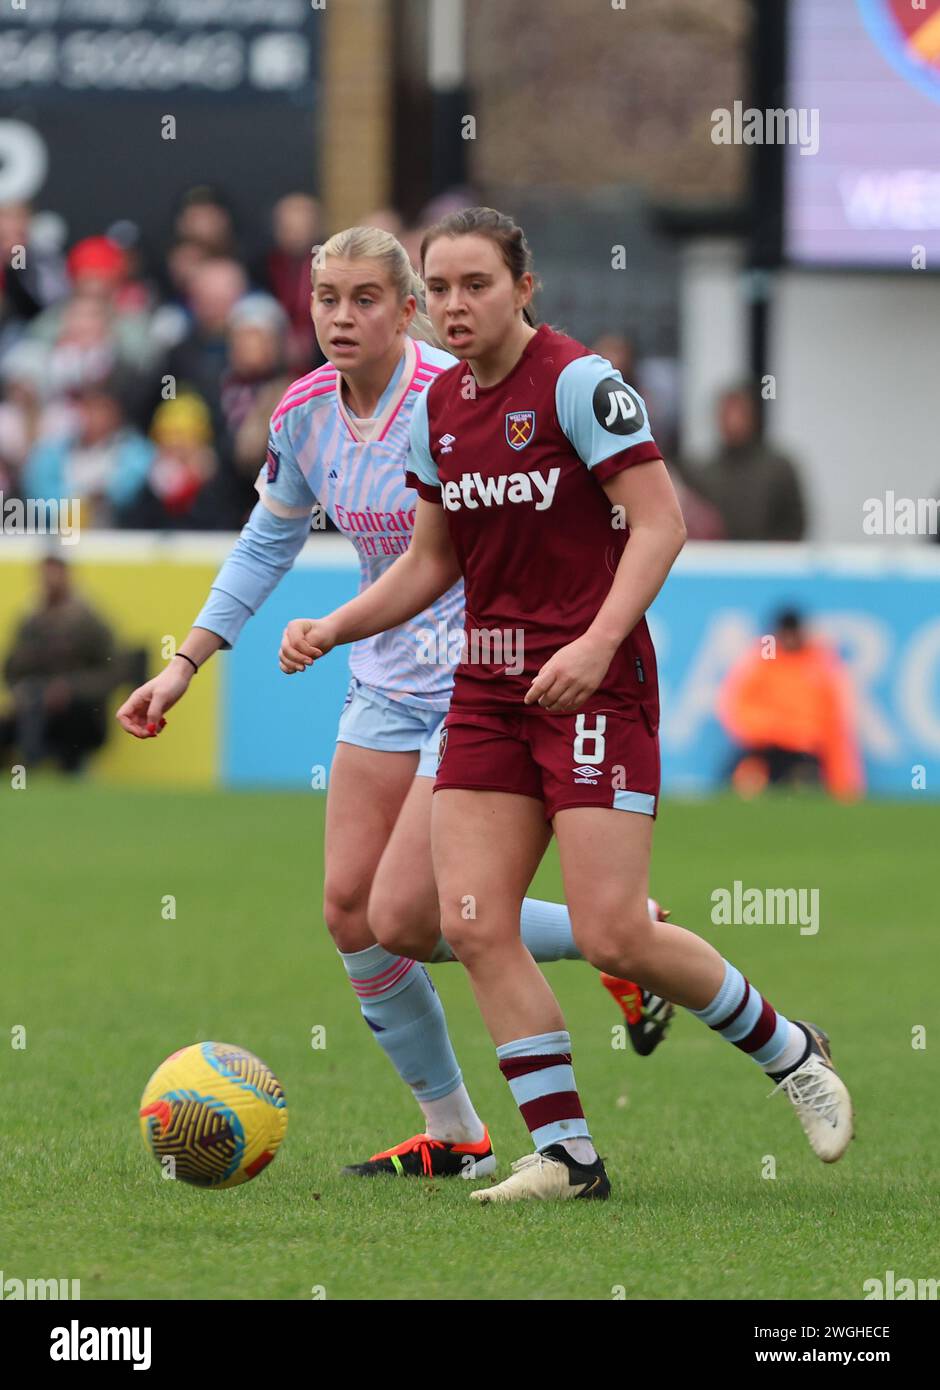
{"type": "Point", "coordinates": [820, 1098]}
{"type": "Point", "coordinates": [549, 1175]}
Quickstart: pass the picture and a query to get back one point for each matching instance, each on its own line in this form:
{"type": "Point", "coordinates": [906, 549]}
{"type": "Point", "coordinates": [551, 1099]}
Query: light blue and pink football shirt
{"type": "Point", "coordinates": [319, 454]}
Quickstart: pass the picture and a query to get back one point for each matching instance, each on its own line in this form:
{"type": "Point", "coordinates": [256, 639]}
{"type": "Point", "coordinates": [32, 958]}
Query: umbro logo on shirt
{"type": "Point", "coordinates": [474, 490]}
{"type": "Point", "coordinates": [446, 443]}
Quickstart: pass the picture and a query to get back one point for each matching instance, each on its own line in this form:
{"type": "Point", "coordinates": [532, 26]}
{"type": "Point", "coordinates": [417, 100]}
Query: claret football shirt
{"type": "Point", "coordinates": [518, 469]}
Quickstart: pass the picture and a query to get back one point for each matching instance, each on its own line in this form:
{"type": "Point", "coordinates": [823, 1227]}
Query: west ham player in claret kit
{"type": "Point", "coordinates": [541, 484]}
{"type": "Point", "coordinates": [339, 439]}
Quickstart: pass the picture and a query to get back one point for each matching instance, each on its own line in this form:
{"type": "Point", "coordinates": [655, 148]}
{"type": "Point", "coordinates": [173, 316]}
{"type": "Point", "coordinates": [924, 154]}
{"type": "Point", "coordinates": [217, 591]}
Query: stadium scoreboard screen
{"type": "Point", "coordinates": [869, 196]}
{"type": "Point", "coordinates": [86, 87]}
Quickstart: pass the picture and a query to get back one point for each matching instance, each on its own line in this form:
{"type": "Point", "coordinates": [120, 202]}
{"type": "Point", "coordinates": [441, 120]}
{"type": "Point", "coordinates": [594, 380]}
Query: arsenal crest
{"type": "Point", "coordinates": [520, 427]}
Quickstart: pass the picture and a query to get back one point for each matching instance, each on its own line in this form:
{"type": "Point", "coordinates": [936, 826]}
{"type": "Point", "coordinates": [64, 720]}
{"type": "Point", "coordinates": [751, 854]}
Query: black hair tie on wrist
{"type": "Point", "coordinates": [189, 659]}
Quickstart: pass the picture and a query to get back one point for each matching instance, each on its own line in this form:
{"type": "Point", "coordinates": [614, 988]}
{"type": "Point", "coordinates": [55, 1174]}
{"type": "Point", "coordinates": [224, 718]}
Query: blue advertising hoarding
{"type": "Point", "coordinates": [881, 609]}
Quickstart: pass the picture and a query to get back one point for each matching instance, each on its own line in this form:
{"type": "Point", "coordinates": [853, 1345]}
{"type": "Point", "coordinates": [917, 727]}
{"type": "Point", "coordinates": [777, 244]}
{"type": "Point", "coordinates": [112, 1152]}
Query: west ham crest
{"type": "Point", "coordinates": [520, 427]}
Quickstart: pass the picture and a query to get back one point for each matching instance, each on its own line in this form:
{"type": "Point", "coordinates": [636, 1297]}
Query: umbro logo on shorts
{"type": "Point", "coordinates": [590, 775]}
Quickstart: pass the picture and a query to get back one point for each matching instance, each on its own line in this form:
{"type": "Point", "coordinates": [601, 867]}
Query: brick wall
{"type": "Point", "coordinates": [575, 93]}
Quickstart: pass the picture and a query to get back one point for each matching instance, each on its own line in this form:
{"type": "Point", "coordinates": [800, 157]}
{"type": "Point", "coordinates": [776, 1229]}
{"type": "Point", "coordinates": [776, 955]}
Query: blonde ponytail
{"type": "Point", "coordinates": [421, 326]}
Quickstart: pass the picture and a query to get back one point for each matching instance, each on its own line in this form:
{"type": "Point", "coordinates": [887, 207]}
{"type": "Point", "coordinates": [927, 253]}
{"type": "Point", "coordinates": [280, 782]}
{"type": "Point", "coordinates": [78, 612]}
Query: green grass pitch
{"type": "Point", "coordinates": [105, 988]}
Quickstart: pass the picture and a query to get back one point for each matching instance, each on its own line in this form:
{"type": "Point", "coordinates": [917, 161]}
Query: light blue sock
{"type": "Point", "coordinates": [402, 1008]}
{"type": "Point", "coordinates": [546, 933]}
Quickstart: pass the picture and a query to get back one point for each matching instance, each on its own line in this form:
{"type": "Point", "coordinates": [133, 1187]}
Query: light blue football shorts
{"type": "Point", "coordinates": [373, 720]}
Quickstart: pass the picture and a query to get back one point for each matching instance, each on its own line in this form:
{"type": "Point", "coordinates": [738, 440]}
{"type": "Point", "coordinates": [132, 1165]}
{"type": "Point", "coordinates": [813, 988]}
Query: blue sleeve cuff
{"type": "Point", "coordinates": [223, 615]}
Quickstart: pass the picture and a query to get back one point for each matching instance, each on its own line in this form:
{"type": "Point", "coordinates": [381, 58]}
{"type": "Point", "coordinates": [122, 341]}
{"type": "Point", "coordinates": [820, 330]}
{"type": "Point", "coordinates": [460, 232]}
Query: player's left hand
{"type": "Point", "coordinates": [571, 676]}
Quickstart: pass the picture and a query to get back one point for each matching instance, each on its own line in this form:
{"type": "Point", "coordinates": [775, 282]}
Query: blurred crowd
{"type": "Point", "coordinates": [144, 388]}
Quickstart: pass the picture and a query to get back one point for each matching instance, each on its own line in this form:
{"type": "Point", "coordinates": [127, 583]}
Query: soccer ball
{"type": "Point", "coordinates": [213, 1115]}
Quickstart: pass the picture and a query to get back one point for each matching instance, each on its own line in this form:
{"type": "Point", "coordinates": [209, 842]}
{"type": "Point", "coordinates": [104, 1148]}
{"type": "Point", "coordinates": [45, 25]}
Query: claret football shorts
{"type": "Point", "coordinates": [564, 760]}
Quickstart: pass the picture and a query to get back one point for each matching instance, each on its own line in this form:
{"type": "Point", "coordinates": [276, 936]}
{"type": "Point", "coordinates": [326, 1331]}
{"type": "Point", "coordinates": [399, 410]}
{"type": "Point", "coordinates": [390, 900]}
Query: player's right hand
{"type": "Point", "coordinates": [142, 712]}
{"type": "Point", "coordinates": [302, 642]}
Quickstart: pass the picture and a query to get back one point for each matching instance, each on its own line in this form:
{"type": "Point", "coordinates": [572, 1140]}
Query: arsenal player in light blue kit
{"type": "Point", "coordinates": [540, 482]}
